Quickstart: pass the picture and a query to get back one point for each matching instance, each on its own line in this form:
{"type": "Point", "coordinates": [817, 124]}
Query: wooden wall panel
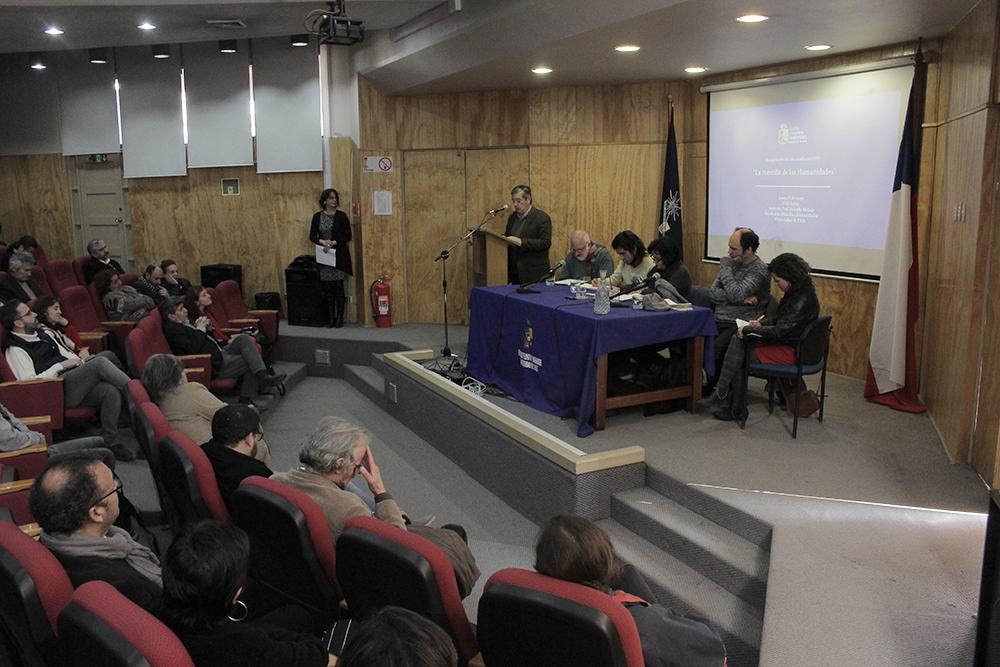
{"type": "Point", "coordinates": [951, 341]}
{"type": "Point", "coordinates": [629, 113]}
{"type": "Point", "coordinates": [434, 200]}
{"type": "Point", "coordinates": [188, 219]}
{"type": "Point", "coordinates": [382, 236]}
{"type": "Point", "coordinates": [35, 200]}
{"type": "Point", "coordinates": [600, 189]}
{"type": "Point", "coordinates": [492, 118]}
{"type": "Point", "coordinates": [968, 55]}
{"type": "Point", "coordinates": [427, 121]}
{"type": "Point", "coordinates": [344, 165]}
{"type": "Point", "coordinates": [377, 116]}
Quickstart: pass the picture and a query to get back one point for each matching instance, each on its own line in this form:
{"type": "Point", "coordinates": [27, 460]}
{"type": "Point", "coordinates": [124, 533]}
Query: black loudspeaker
{"type": "Point", "coordinates": [213, 274]}
{"type": "Point", "coordinates": [306, 306]}
{"type": "Point", "coordinates": [988, 620]}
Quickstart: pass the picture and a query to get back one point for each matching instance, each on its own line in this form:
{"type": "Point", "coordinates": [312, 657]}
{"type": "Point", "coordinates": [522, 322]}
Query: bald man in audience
{"type": "Point", "coordinates": [100, 260]}
{"type": "Point", "coordinates": [76, 500]}
{"type": "Point", "coordinates": [331, 457]}
{"type": "Point", "coordinates": [586, 259]}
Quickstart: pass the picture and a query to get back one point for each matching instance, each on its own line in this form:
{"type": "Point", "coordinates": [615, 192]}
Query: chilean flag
{"type": "Point", "coordinates": [892, 367]}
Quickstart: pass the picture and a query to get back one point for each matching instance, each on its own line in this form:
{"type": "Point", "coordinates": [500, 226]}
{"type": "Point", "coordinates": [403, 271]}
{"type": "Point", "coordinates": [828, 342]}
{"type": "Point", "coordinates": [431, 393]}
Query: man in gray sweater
{"type": "Point", "coordinates": [741, 290]}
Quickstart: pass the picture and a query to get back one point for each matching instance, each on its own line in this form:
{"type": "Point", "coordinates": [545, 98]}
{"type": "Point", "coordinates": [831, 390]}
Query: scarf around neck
{"type": "Point", "coordinates": [117, 544]}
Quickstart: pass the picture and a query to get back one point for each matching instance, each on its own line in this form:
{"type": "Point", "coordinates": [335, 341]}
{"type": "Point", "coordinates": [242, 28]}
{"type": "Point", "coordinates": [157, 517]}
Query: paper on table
{"type": "Point", "coordinates": [327, 258]}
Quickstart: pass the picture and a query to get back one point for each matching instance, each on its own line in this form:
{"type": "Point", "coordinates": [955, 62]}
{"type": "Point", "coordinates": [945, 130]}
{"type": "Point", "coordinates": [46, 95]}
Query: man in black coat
{"type": "Point", "coordinates": [18, 283]}
{"type": "Point", "coordinates": [239, 359]}
{"type": "Point", "coordinates": [100, 260]}
{"type": "Point", "coordinates": [236, 433]}
{"type": "Point", "coordinates": [529, 235]}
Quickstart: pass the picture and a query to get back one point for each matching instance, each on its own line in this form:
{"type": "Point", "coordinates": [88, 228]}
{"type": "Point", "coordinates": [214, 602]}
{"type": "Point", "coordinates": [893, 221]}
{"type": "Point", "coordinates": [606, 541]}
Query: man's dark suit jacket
{"type": "Point", "coordinates": [116, 572]}
{"type": "Point", "coordinates": [93, 266]}
{"type": "Point", "coordinates": [530, 261]}
{"type": "Point", "coordinates": [183, 339]}
{"type": "Point", "coordinates": [232, 467]}
{"type": "Point", "coordinates": [10, 288]}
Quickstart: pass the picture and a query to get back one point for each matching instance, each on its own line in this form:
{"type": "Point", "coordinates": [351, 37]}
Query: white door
{"type": "Point", "coordinates": [102, 210]}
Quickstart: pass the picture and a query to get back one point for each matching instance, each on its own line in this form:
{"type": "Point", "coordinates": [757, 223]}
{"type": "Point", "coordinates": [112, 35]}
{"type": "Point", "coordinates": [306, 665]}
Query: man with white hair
{"type": "Point", "coordinates": [331, 457]}
{"type": "Point", "coordinates": [100, 260]}
{"type": "Point", "coordinates": [586, 259]}
{"type": "Point", "coordinates": [18, 283]}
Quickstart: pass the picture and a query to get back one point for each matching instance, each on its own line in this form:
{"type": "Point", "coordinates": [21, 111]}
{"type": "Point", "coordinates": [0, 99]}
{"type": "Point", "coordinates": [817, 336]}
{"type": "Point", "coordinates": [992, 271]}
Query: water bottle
{"type": "Point", "coordinates": [602, 300]}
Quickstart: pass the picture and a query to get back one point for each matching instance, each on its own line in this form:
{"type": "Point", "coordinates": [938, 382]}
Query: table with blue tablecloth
{"type": "Point", "coordinates": [550, 351]}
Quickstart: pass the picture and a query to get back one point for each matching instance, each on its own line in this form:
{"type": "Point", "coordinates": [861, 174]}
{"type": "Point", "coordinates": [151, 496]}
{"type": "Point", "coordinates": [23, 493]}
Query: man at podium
{"type": "Point", "coordinates": [529, 235]}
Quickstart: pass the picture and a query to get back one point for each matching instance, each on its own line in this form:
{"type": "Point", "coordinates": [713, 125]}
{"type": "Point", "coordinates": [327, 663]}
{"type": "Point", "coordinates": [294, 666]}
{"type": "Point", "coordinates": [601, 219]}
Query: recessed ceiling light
{"type": "Point", "coordinates": [38, 61]}
{"type": "Point", "coordinates": [161, 50]}
{"type": "Point", "coordinates": [542, 70]}
{"type": "Point", "coordinates": [752, 18]}
{"type": "Point", "coordinates": [818, 47]}
{"type": "Point", "coordinates": [146, 25]}
{"type": "Point", "coordinates": [99, 56]}
{"type": "Point", "coordinates": [300, 40]}
{"type": "Point", "coordinates": [627, 48]}
{"type": "Point", "coordinates": [695, 70]}
{"type": "Point", "coordinates": [227, 46]}
{"type": "Point", "coordinates": [52, 30]}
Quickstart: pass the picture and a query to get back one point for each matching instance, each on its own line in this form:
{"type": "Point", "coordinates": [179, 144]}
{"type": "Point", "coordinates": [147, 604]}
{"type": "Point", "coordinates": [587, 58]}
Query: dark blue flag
{"type": "Point", "coordinates": [670, 208]}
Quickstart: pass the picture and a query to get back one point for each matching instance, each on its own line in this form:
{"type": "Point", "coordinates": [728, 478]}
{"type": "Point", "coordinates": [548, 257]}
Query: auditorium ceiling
{"type": "Point", "coordinates": [426, 46]}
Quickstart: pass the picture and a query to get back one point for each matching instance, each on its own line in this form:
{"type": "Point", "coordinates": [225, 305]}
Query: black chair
{"type": "Point", "coordinates": [811, 352]}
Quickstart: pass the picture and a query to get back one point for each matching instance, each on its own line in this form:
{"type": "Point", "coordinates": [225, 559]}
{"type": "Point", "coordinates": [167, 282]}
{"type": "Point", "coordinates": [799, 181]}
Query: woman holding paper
{"type": "Point", "coordinates": [331, 232]}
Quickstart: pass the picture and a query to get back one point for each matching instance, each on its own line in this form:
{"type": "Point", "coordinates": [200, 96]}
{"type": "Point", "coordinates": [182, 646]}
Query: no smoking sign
{"type": "Point", "coordinates": [378, 163]}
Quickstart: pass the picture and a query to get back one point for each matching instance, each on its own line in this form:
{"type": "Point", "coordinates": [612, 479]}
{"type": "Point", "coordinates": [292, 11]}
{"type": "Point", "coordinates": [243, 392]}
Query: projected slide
{"type": "Point", "coordinates": [809, 166]}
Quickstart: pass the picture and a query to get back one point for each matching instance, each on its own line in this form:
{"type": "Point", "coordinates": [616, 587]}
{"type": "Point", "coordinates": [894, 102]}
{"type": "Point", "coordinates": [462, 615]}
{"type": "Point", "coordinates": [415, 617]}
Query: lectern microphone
{"type": "Point", "coordinates": [494, 211]}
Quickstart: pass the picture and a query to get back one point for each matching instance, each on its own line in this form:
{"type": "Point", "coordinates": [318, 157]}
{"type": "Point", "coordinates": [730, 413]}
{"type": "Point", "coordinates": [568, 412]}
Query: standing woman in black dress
{"type": "Point", "coordinates": [331, 229]}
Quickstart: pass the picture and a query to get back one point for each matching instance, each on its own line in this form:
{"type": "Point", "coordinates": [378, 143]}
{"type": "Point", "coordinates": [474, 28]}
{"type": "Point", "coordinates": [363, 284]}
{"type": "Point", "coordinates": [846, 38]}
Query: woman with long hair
{"type": "Point", "coordinates": [633, 261]}
{"type": "Point", "coordinates": [798, 308]}
{"type": "Point", "coordinates": [204, 573]}
{"type": "Point", "coordinates": [331, 229]}
{"type": "Point", "coordinates": [575, 549]}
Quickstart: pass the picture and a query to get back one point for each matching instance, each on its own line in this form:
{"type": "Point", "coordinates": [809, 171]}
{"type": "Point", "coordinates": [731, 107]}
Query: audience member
{"type": "Point", "coordinates": [529, 237]}
{"type": "Point", "coordinates": [575, 549]}
{"type": "Point", "coordinates": [76, 501]}
{"type": "Point", "coordinates": [32, 353]}
{"type": "Point", "coordinates": [331, 456]}
{"type": "Point", "coordinates": [330, 229]}
{"type": "Point", "coordinates": [586, 259]}
{"type": "Point", "coordinates": [15, 435]}
{"type": "Point", "coordinates": [50, 316]}
{"type": "Point", "coordinates": [741, 290]}
{"type": "Point", "coordinates": [633, 262]}
{"type": "Point", "coordinates": [204, 573]}
{"type": "Point", "coordinates": [233, 449]}
{"type": "Point", "coordinates": [26, 244]}
{"type": "Point", "coordinates": [121, 302]}
{"type": "Point", "coordinates": [668, 263]}
{"type": "Point", "coordinates": [197, 301]}
{"type": "Point", "coordinates": [798, 308]}
{"type": "Point", "coordinates": [18, 283]}
{"type": "Point", "coordinates": [100, 260]}
{"type": "Point", "coordinates": [239, 359]}
{"type": "Point", "coordinates": [397, 637]}
{"type": "Point", "coordinates": [176, 286]}
{"type": "Point", "coordinates": [150, 283]}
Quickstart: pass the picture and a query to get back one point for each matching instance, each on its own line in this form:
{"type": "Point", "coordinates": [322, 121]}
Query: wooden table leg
{"type": "Point", "coordinates": [696, 359]}
{"type": "Point", "coordinates": [600, 407]}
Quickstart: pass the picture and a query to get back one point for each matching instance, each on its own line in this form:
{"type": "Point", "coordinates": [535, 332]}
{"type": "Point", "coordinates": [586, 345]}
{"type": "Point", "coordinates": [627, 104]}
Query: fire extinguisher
{"type": "Point", "coordinates": [381, 303]}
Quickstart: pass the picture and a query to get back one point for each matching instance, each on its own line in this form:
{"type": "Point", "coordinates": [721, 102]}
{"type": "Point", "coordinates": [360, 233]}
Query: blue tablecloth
{"type": "Point", "coordinates": [543, 348]}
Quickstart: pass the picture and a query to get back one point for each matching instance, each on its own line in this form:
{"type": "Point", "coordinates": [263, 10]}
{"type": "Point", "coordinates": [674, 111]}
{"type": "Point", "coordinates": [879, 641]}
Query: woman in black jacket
{"type": "Point", "coordinates": [203, 576]}
{"type": "Point", "coordinates": [331, 229]}
{"type": "Point", "coordinates": [799, 307]}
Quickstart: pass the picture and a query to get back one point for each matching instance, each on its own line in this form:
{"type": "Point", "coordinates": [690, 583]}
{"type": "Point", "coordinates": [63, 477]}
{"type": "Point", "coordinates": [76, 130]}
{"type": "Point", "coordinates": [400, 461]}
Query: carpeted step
{"type": "Point", "coordinates": [296, 372]}
{"type": "Point", "coordinates": [378, 361]}
{"type": "Point", "coordinates": [683, 589]}
{"type": "Point", "coordinates": [749, 527]}
{"type": "Point", "coordinates": [716, 552]}
{"type": "Point", "coordinates": [368, 381]}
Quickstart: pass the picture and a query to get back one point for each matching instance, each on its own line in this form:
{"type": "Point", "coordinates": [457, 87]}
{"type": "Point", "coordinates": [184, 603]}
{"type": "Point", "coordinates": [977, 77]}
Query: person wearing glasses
{"type": "Point", "coordinates": [100, 260]}
{"type": "Point", "coordinates": [233, 449]}
{"type": "Point", "coordinates": [528, 236]}
{"type": "Point", "coordinates": [331, 457]}
{"type": "Point", "coordinates": [76, 501]}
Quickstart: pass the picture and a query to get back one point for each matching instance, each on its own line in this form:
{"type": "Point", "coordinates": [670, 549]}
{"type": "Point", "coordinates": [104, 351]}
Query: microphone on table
{"type": "Point", "coordinates": [498, 209]}
{"type": "Point", "coordinates": [642, 284]}
{"type": "Point", "coordinates": [523, 289]}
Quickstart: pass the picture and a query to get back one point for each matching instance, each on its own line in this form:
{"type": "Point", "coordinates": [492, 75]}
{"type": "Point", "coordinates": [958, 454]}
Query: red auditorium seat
{"type": "Point", "coordinates": [148, 339]}
{"type": "Point", "coordinates": [228, 297]}
{"type": "Point", "coordinates": [100, 626]}
{"type": "Point", "coordinates": [43, 397]}
{"type": "Point", "coordinates": [34, 589]}
{"type": "Point", "coordinates": [78, 263]}
{"type": "Point", "coordinates": [379, 564]}
{"type": "Point", "coordinates": [79, 309]}
{"type": "Point", "coordinates": [60, 275]}
{"type": "Point", "coordinates": [528, 618]}
{"type": "Point", "coordinates": [38, 274]}
{"type": "Point", "coordinates": [190, 481]}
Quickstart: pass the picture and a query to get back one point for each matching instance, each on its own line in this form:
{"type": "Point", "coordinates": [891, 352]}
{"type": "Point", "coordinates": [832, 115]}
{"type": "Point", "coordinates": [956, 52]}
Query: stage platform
{"type": "Point", "coordinates": [856, 544]}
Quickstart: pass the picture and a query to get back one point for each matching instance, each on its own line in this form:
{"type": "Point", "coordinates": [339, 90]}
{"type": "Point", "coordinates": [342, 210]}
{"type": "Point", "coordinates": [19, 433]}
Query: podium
{"type": "Point", "coordinates": [489, 259]}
